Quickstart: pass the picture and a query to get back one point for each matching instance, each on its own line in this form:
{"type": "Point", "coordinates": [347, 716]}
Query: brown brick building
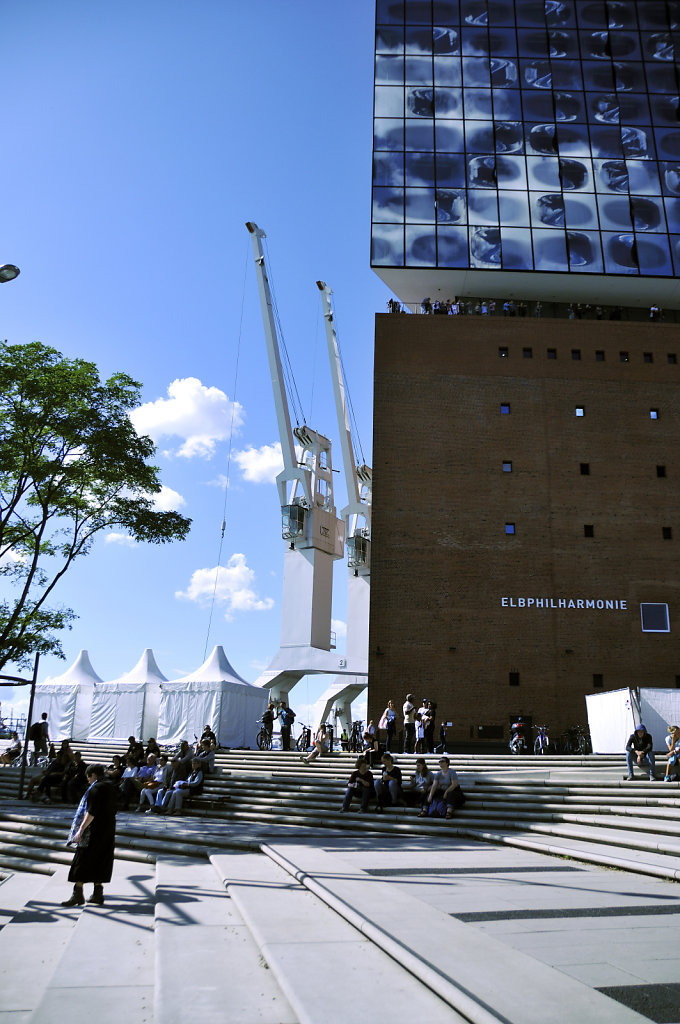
{"type": "Point", "coordinates": [525, 506]}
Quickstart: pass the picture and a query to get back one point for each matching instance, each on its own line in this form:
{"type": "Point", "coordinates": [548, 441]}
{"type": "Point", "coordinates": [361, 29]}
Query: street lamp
{"type": "Point", "coordinates": [8, 272]}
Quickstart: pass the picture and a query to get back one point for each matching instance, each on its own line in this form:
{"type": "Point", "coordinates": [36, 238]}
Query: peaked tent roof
{"type": "Point", "coordinates": [145, 671]}
{"type": "Point", "coordinates": [215, 668]}
{"type": "Point", "coordinates": [80, 673]}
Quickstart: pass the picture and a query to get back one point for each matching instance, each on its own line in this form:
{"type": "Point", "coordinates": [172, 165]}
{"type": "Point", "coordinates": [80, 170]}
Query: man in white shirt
{"type": "Point", "coordinates": [409, 711]}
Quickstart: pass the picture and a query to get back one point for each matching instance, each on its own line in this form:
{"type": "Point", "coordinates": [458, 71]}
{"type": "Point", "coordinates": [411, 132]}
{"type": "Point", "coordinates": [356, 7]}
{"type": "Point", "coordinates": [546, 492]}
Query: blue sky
{"type": "Point", "coordinates": [138, 139]}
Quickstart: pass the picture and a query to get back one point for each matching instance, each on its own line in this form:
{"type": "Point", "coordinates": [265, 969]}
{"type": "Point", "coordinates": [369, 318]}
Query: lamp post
{"type": "Point", "coordinates": [8, 272]}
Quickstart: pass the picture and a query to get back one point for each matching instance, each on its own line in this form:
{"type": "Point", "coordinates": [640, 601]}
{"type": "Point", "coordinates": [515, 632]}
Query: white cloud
{"type": "Point", "coordinates": [260, 465]}
{"type": "Point", "coordinates": [123, 539]}
{"type": "Point", "coordinates": [11, 557]}
{"type": "Point", "coordinates": [339, 627]}
{"type": "Point", "coordinates": [200, 415]}
{"type": "Point", "coordinates": [168, 500]}
{"type": "Point", "coordinates": [235, 588]}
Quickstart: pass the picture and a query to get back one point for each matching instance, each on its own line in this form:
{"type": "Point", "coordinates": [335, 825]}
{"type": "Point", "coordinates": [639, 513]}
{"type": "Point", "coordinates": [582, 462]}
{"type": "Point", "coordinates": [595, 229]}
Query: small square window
{"type": "Point", "coordinates": [647, 357]}
{"type": "Point", "coordinates": [503, 352]}
{"type": "Point", "coordinates": [579, 411]}
{"type": "Point", "coordinates": [672, 358]}
{"type": "Point", "coordinates": [507, 467]}
{"type": "Point", "coordinates": [513, 678]}
{"type": "Point", "coordinates": [588, 530]}
{"type": "Point", "coordinates": [585, 468]}
{"type": "Point", "coordinates": [599, 356]}
{"type": "Point", "coordinates": [677, 682]}
{"type": "Point", "coordinates": [576, 354]}
{"type": "Point", "coordinates": [552, 353]}
{"type": "Point", "coordinates": [653, 414]}
{"type": "Point", "coordinates": [623, 357]}
{"type": "Point", "coordinates": [510, 529]}
{"type": "Point", "coordinates": [655, 618]}
{"type": "Point", "coordinates": [598, 680]}
{"type": "Point", "coordinates": [505, 408]}
{"type": "Point", "coordinates": [661, 471]}
{"type": "Point", "coordinates": [667, 532]}
{"type": "Point", "coordinates": [527, 353]}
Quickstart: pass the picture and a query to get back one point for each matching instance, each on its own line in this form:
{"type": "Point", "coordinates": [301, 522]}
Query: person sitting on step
{"type": "Point", "coordinates": [360, 785]}
{"type": "Point", "coordinates": [421, 784]}
{"type": "Point", "coordinates": [321, 745]}
{"type": "Point", "coordinates": [388, 788]}
{"type": "Point", "coordinates": [175, 797]}
{"type": "Point", "coordinates": [445, 790]}
{"type": "Point", "coordinates": [155, 787]}
{"type": "Point", "coordinates": [673, 760]}
{"type": "Point", "coordinates": [640, 751]}
{"type": "Point", "coordinates": [13, 751]}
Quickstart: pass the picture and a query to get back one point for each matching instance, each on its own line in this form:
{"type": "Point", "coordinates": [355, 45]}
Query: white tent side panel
{"type": "Point", "coordinates": [610, 720]}
{"type": "Point", "coordinates": [659, 709]}
{"type": "Point", "coordinates": [242, 706]}
{"type": "Point", "coordinates": [117, 711]}
{"type": "Point", "coordinates": [59, 701]}
{"type": "Point", "coordinates": [185, 708]}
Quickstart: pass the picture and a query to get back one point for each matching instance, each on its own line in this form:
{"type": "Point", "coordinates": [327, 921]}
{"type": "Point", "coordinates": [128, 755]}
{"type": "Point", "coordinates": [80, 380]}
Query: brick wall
{"type": "Point", "coordinates": [441, 559]}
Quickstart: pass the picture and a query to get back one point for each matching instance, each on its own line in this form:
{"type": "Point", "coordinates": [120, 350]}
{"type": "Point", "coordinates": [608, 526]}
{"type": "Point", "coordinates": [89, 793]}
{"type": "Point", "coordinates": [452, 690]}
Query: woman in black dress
{"type": "Point", "coordinates": [93, 832]}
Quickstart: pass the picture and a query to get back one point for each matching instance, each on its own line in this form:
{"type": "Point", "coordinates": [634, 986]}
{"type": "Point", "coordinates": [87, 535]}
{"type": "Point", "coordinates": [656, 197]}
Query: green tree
{"type": "Point", "coordinates": [71, 465]}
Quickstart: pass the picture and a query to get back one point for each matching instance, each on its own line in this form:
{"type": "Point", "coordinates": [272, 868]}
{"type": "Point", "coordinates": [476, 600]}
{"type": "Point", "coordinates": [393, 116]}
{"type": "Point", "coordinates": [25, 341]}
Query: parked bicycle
{"type": "Point", "coordinates": [518, 743]}
{"type": "Point", "coordinates": [304, 740]}
{"type": "Point", "coordinates": [542, 741]}
{"type": "Point", "coordinates": [576, 740]}
{"type": "Point", "coordinates": [264, 737]}
{"type": "Point", "coordinates": [356, 738]}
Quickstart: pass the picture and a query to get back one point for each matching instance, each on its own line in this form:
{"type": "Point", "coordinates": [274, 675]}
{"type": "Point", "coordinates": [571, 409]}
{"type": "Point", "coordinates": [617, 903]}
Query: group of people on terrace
{"type": "Point", "coordinates": [438, 794]}
{"type": "Point", "coordinates": [521, 308]}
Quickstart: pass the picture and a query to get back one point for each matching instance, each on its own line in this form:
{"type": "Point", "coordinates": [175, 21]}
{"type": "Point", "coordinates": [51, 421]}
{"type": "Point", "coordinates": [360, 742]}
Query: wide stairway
{"type": "Point", "coordinates": [573, 807]}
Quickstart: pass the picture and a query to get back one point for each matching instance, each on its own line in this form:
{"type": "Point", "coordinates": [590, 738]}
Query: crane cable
{"type": "Point", "coordinates": [226, 481]}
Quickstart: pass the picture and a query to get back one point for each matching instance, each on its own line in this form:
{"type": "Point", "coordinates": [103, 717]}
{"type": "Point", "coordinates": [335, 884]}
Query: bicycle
{"type": "Point", "coordinates": [264, 737]}
{"type": "Point", "coordinates": [304, 740]}
{"type": "Point", "coordinates": [542, 741]}
{"type": "Point", "coordinates": [356, 738]}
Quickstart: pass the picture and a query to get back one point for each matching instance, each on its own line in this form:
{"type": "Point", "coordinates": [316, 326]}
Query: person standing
{"type": "Point", "coordinates": [287, 716]}
{"type": "Point", "coordinates": [40, 737]}
{"type": "Point", "coordinates": [93, 833]}
{"type": "Point", "coordinates": [409, 711]}
{"type": "Point", "coordinates": [640, 751]}
{"type": "Point", "coordinates": [388, 722]}
{"type": "Point", "coordinates": [429, 726]}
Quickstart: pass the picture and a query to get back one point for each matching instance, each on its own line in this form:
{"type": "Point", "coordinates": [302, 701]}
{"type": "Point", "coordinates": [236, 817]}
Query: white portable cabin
{"type": "Point", "coordinates": [128, 706]}
{"type": "Point", "coordinates": [613, 716]}
{"type": "Point", "coordinates": [211, 695]}
{"type": "Point", "coordinates": [67, 699]}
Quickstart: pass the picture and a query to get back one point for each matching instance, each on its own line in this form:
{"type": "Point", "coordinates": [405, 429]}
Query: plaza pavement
{"type": "Point", "coordinates": [289, 924]}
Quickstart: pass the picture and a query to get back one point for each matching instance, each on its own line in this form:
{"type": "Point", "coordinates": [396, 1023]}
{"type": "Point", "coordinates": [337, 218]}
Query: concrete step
{"type": "Point", "coordinates": [218, 972]}
{"type": "Point", "coordinates": [461, 961]}
{"type": "Point", "coordinates": [106, 968]}
{"type": "Point", "coordinates": [311, 951]}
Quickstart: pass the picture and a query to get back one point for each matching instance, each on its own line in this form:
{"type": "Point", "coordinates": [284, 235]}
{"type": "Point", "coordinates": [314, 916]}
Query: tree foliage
{"type": "Point", "coordinates": [71, 466]}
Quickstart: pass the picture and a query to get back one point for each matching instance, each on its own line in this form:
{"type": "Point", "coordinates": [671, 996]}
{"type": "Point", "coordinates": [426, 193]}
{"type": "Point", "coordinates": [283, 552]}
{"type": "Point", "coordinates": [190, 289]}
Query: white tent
{"type": "Point", "coordinates": [67, 699]}
{"type": "Point", "coordinates": [215, 695]}
{"type": "Point", "coordinates": [613, 716]}
{"type": "Point", "coordinates": [128, 705]}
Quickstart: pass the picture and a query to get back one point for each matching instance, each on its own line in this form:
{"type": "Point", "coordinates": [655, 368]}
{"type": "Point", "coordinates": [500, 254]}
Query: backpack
{"type": "Point", "coordinates": [36, 732]}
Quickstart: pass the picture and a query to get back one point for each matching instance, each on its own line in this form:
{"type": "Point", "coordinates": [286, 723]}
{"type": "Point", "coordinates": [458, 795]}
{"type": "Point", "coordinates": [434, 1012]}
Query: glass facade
{"type": "Point", "coordinates": [534, 135]}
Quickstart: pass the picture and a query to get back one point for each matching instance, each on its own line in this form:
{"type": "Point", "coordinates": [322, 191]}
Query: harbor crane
{"type": "Point", "coordinates": [357, 520]}
{"type": "Point", "coordinates": [313, 533]}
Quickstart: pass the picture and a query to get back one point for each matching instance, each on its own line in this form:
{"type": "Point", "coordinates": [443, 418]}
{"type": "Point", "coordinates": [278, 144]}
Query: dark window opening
{"type": "Point", "coordinates": [527, 353]}
{"type": "Point", "coordinates": [599, 356]}
{"type": "Point", "coordinates": [576, 354]}
{"type": "Point", "coordinates": [667, 532]}
{"type": "Point", "coordinates": [513, 678]}
{"type": "Point", "coordinates": [647, 357]}
{"type": "Point", "coordinates": [579, 410]}
{"type": "Point", "coordinates": [510, 529]}
{"type": "Point", "coordinates": [503, 352]}
{"type": "Point", "coordinates": [598, 680]}
{"type": "Point", "coordinates": [585, 468]}
{"type": "Point", "coordinates": [507, 467]}
{"type": "Point", "coordinates": [623, 357]}
{"type": "Point", "coordinates": [552, 353]}
{"type": "Point", "coordinates": [588, 530]}
{"type": "Point", "coordinates": [660, 470]}
{"type": "Point", "coordinates": [654, 414]}
{"type": "Point", "coordinates": [505, 408]}
{"type": "Point", "coordinates": [672, 358]}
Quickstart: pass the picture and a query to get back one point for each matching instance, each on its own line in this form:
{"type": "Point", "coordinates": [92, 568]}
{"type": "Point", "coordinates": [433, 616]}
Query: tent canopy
{"type": "Point", "coordinates": [613, 715]}
{"type": "Point", "coordinates": [213, 695]}
{"type": "Point", "coordinates": [81, 678]}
